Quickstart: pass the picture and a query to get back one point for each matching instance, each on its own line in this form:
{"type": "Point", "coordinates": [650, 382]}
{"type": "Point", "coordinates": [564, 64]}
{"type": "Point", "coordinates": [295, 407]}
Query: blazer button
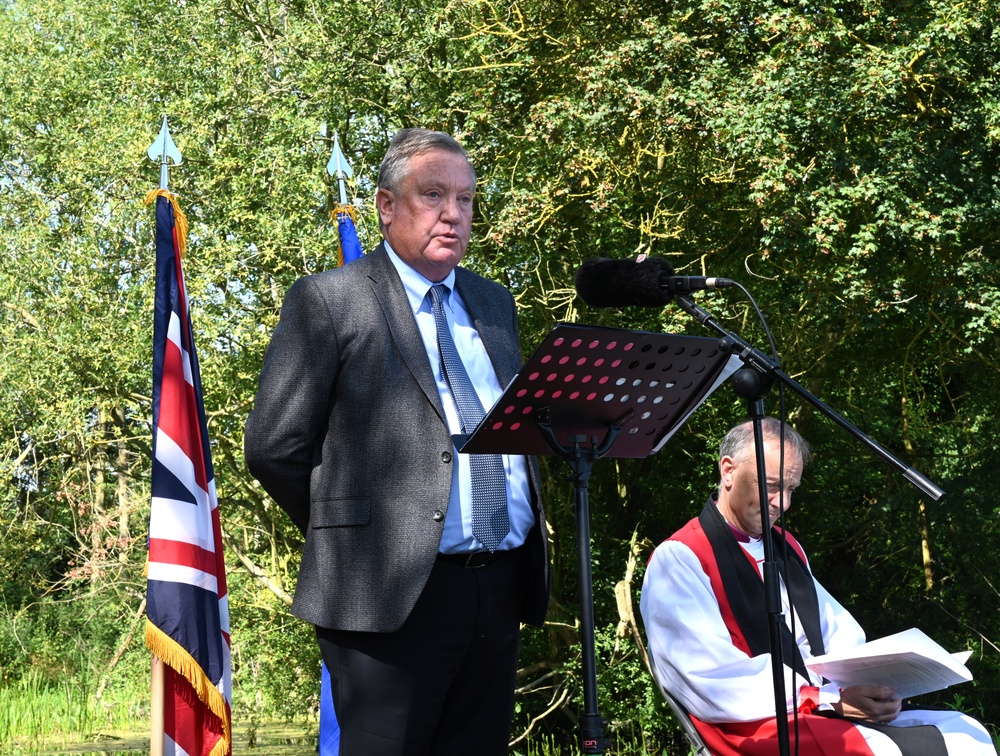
{"type": "Point", "coordinates": [438, 515]}
{"type": "Point", "coordinates": [446, 457]}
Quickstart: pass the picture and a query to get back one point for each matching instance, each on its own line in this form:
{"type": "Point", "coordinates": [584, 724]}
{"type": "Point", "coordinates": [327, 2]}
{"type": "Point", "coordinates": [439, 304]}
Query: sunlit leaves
{"type": "Point", "coordinates": [840, 160]}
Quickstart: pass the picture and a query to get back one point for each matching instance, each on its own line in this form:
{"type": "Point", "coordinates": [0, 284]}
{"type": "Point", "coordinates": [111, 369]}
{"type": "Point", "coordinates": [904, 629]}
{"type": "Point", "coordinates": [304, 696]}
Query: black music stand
{"type": "Point", "coordinates": [590, 392]}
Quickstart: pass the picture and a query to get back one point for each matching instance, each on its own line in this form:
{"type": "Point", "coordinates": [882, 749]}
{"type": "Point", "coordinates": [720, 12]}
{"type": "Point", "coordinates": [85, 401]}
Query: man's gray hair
{"type": "Point", "coordinates": [406, 144]}
{"type": "Point", "coordinates": [738, 443]}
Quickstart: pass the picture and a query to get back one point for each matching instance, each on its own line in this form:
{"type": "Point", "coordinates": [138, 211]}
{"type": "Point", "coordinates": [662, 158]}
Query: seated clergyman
{"type": "Point", "coordinates": [703, 608]}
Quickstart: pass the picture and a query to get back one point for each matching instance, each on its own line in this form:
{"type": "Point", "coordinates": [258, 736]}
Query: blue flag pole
{"type": "Point", "coordinates": [329, 727]}
{"type": "Point", "coordinates": [350, 249]}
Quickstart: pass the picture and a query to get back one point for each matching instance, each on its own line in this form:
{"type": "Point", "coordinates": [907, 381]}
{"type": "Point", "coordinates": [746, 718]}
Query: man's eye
{"type": "Point", "coordinates": [776, 487]}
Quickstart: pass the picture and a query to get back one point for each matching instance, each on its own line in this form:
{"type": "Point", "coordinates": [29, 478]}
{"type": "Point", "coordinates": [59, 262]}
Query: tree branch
{"type": "Point", "coordinates": [256, 571]}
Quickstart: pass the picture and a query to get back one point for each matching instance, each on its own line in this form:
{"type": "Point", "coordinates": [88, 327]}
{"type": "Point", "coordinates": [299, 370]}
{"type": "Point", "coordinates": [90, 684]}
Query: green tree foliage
{"type": "Point", "coordinates": [840, 160]}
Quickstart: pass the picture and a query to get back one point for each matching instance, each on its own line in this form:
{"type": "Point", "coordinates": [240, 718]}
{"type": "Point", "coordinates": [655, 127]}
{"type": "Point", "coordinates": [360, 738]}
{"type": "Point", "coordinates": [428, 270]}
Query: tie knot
{"type": "Point", "coordinates": [437, 293]}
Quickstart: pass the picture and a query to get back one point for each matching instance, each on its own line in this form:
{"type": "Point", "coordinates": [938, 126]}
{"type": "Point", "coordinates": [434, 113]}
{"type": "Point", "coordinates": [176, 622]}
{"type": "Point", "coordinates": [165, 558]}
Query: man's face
{"type": "Point", "coordinates": [429, 221]}
{"type": "Point", "coordinates": [739, 501]}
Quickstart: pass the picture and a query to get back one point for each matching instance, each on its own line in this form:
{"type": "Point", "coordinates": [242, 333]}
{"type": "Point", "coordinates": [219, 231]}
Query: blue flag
{"type": "Point", "coordinates": [347, 234]}
{"type": "Point", "coordinates": [329, 728]}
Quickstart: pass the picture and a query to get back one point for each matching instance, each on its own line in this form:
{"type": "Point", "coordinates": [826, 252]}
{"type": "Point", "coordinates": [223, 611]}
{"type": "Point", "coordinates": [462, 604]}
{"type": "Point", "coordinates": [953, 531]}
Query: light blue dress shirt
{"type": "Point", "coordinates": [457, 536]}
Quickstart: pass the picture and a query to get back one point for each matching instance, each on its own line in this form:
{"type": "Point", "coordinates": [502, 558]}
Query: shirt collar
{"type": "Point", "coordinates": [415, 284]}
{"type": "Point", "coordinates": [740, 535]}
{"type": "Point", "coordinates": [737, 533]}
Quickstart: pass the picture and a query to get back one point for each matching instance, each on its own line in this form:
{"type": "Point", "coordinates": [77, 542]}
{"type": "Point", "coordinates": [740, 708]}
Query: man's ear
{"type": "Point", "coordinates": [385, 202]}
{"type": "Point", "coordinates": [726, 467]}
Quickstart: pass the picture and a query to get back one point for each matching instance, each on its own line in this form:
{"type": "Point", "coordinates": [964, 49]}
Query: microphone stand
{"type": "Point", "coordinates": [752, 382]}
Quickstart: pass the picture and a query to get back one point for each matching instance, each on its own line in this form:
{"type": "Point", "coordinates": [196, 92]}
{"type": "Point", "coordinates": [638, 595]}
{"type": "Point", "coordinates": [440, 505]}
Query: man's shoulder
{"type": "Point", "coordinates": [484, 298]}
{"type": "Point", "coordinates": [365, 266]}
{"type": "Point", "coordinates": [347, 275]}
{"type": "Point", "coordinates": [467, 278]}
{"type": "Point", "coordinates": [690, 535]}
{"type": "Point", "coordinates": [691, 530]}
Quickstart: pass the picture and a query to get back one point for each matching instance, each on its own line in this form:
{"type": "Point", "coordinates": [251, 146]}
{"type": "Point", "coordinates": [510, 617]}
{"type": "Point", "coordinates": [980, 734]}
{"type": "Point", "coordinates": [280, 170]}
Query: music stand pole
{"type": "Point", "coordinates": [769, 569]}
{"type": "Point", "coordinates": [588, 392]}
{"type": "Point", "coordinates": [581, 460]}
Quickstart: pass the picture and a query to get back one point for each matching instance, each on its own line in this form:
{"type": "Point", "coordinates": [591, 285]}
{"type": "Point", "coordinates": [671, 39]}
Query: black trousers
{"type": "Point", "coordinates": [443, 684]}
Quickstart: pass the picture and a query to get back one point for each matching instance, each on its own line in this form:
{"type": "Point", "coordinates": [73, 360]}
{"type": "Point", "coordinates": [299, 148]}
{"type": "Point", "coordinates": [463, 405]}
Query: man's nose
{"type": "Point", "coordinates": [449, 209]}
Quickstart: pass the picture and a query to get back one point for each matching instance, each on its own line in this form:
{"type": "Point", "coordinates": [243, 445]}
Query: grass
{"type": "Point", "coordinates": [39, 715]}
{"type": "Point", "coordinates": [35, 709]}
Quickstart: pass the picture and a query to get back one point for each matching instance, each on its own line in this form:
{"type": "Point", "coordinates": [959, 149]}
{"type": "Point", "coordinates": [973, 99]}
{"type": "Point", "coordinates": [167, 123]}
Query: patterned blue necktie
{"type": "Point", "coordinates": [490, 521]}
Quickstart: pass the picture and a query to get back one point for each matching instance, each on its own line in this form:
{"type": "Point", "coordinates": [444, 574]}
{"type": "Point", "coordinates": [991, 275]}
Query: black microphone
{"type": "Point", "coordinates": [648, 282]}
{"type": "Point", "coordinates": [624, 283]}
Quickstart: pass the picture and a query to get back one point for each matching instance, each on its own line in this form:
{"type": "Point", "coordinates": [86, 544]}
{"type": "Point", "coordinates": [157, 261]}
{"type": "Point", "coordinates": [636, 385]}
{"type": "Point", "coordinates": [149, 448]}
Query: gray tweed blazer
{"type": "Point", "coordinates": [349, 437]}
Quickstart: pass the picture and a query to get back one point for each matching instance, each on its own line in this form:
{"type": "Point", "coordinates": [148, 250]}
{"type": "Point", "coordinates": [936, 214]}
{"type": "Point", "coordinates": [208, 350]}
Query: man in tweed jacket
{"type": "Point", "coordinates": [351, 435]}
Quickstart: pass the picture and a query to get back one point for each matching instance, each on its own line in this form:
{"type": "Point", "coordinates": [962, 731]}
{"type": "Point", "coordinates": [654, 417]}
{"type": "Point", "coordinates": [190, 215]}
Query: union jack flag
{"type": "Point", "coordinates": [187, 606]}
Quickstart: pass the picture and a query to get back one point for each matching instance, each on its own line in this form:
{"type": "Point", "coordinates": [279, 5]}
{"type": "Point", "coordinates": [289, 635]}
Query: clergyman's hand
{"type": "Point", "coordinates": [873, 703]}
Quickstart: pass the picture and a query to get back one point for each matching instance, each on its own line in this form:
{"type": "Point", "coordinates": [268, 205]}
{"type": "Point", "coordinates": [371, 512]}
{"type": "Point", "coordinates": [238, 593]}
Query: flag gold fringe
{"type": "Point", "coordinates": [173, 654]}
{"type": "Point", "coordinates": [348, 210]}
{"type": "Point", "coordinates": [180, 220]}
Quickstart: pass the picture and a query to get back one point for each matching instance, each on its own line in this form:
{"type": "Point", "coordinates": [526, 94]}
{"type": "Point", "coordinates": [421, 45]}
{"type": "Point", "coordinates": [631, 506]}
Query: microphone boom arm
{"type": "Point", "coordinates": [768, 368]}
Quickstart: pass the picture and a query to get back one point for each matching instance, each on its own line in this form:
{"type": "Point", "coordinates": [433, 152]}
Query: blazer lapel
{"type": "Point", "coordinates": [389, 292]}
{"type": "Point", "coordinates": [493, 322]}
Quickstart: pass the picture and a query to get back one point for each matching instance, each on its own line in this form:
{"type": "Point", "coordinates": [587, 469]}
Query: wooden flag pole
{"type": "Point", "coordinates": [156, 719]}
